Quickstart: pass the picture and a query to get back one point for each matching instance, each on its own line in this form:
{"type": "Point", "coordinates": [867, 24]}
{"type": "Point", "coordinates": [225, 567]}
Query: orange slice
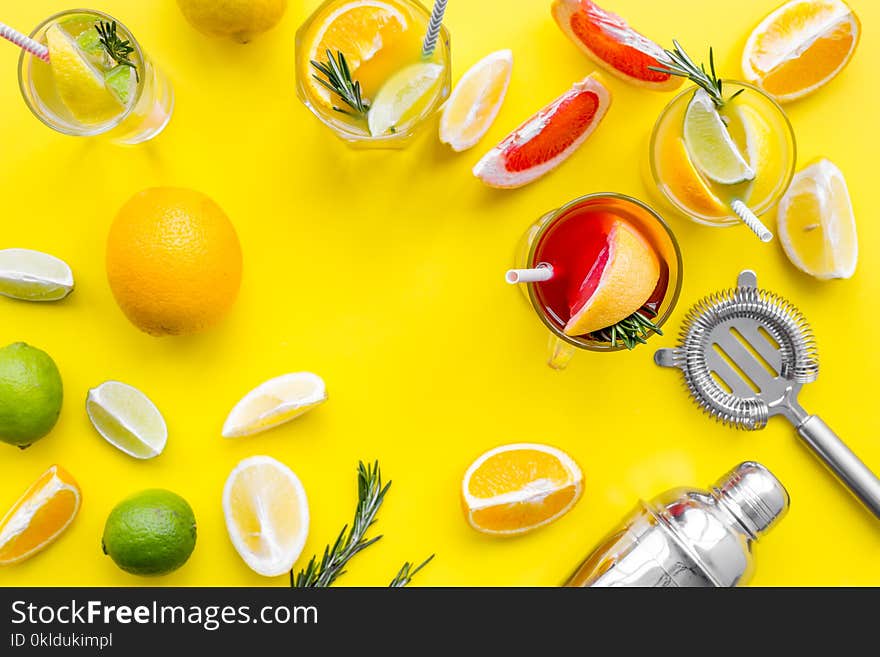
{"type": "Point", "coordinates": [359, 30]}
{"type": "Point", "coordinates": [684, 182]}
{"type": "Point", "coordinates": [474, 104]}
{"type": "Point", "coordinates": [622, 279]}
{"type": "Point", "coordinates": [612, 44]}
{"type": "Point", "coordinates": [517, 488]}
{"type": "Point", "coordinates": [39, 517]}
{"type": "Point", "coordinates": [801, 47]}
{"type": "Point", "coordinates": [548, 138]}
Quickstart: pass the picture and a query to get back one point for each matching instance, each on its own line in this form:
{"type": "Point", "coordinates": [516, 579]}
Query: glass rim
{"type": "Point", "coordinates": [553, 218]}
{"type": "Point", "coordinates": [104, 127]}
{"type": "Point", "coordinates": [343, 131]}
{"type": "Point", "coordinates": [732, 219]}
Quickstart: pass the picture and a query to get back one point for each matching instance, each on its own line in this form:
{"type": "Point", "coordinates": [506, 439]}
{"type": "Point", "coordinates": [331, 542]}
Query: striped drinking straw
{"type": "Point", "coordinates": [434, 28]}
{"type": "Point", "coordinates": [24, 42]}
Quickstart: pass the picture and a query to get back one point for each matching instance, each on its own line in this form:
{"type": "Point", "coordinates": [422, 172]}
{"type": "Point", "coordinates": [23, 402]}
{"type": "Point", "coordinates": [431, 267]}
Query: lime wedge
{"type": "Point", "coordinates": [121, 81]}
{"type": "Point", "coordinates": [34, 276]}
{"type": "Point", "coordinates": [127, 419]}
{"type": "Point", "coordinates": [90, 43]}
{"type": "Point", "coordinates": [710, 145]}
{"type": "Point", "coordinates": [80, 85]}
{"type": "Point", "coordinates": [403, 98]}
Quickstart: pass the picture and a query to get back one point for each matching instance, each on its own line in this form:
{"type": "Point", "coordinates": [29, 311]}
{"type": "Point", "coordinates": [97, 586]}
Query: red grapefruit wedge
{"type": "Point", "coordinates": [610, 42]}
{"type": "Point", "coordinates": [620, 281]}
{"type": "Point", "coordinates": [548, 138]}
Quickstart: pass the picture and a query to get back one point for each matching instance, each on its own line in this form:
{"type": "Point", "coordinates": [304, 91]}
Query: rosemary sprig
{"type": "Point", "coordinates": [371, 494]}
{"type": "Point", "coordinates": [118, 49]}
{"type": "Point", "coordinates": [681, 65]}
{"type": "Point", "coordinates": [632, 331]}
{"type": "Point", "coordinates": [407, 572]}
{"type": "Point", "coordinates": [340, 82]}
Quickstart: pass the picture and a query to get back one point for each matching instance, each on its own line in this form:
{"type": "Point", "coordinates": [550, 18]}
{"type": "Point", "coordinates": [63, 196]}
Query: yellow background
{"type": "Point", "coordinates": [383, 272]}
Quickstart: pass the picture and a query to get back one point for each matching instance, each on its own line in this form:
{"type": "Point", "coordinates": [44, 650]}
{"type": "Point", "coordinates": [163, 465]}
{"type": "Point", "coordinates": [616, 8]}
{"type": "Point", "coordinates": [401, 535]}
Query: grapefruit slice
{"type": "Point", "coordinates": [548, 138]}
{"type": "Point", "coordinates": [621, 280]}
{"type": "Point", "coordinates": [612, 44]}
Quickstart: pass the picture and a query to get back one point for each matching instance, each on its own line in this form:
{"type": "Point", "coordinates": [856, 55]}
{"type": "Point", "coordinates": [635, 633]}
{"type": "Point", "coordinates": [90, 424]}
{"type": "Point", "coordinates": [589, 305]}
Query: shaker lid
{"type": "Point", "coordinates": [755, 496]}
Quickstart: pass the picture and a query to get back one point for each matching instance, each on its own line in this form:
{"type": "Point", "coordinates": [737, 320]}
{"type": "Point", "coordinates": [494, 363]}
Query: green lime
{"type": "Point", "coordinates": [30, 394]}
{"type": "Point", "coordinates": [121, 81]}
{"type": "Point", "coordinates": [150, 533]}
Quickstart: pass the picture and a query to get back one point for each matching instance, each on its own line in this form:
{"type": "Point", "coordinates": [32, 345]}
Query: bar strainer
{"type": "Point", "coordinates": [746, 353]}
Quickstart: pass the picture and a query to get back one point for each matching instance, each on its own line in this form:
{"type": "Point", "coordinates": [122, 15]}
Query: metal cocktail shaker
{"type": "Point", "coordinates": [690, 537]}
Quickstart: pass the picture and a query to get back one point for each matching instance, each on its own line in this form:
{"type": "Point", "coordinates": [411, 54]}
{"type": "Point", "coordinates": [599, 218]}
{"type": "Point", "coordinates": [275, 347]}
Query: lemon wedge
{"type": "Point", "coordinates": [267, 515]}
{"type": "Point", "coordinates": [476, 101]}
{"type": "Point", "coordinates": [403, 98]}
{"type": "Point", "coordinates": [34, 276]}
{"type": "Point", "coordinates": [80, 85]}
{"type": "Point", "coordinates": [817, 226]}
{"type": "Point", "coordinates": [127, 419]}
{"type": "Point", "coordinates": [710, 145]}
{"type": "Point", "coordinates": [274, 403]}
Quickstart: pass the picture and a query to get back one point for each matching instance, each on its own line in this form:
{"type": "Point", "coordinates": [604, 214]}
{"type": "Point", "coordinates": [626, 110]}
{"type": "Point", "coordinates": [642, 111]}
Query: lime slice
{"type": "Point", "coordinates": [127, 419]}
{"type": "Point", "coordinates": [34, 276]}
{"type": "Point", "coordinates": [90, 44]}
{"type": "Point", "coordinates": [403, 97]}
{"type": "Point", "coordinates": [121, 81]}
{"type": "Point", "coordinates": [80, 85]}
{"type": "Point", "coordinates": [710, 145]}
{"type": "Point", "coordinates": [275, 402]}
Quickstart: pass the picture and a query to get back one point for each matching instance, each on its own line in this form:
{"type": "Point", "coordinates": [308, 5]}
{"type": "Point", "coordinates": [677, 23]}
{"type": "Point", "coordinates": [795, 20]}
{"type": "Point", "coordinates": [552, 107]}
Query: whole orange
{"type": "Point", "coordinates": [173, 261]}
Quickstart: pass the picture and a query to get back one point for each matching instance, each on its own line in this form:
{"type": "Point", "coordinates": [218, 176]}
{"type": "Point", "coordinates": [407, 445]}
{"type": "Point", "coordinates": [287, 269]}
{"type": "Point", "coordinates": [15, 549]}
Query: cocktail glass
{"type": "Point", "coordinates": [765, 137]}
{"type": "Point", "coordinates": [399, 49]}
{"type": "Point", "coordinates": [646, 222]}
{"type": "Point", "coordinates": [142, 117]}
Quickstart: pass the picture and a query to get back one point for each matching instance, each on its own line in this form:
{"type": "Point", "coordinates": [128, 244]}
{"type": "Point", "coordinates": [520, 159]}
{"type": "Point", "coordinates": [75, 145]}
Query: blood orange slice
{"type": "Point", "coordinates": [548, 138]}
{"type": "Point", "coordinates": [612, 44]}
{"type": "Point", "coordinates": [621, 280]}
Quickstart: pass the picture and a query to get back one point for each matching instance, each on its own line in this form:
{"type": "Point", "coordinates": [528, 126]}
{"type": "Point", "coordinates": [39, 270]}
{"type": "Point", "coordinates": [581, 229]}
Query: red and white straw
{"type": "Point", "coordinates": [24, 42]}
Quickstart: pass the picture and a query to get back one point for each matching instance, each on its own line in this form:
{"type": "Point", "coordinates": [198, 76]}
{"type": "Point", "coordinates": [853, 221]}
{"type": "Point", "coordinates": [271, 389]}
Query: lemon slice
{"type": "Point", "coordinates": [127, 419]}
{"type": "Point", "coordinates": [403, 98]}
{"type": "Point", "coordinates": [476, 101]}
{"type": "Point", "coordinates": [274, 403]}
{"type": "Point", "coordinates": [710, 145]}
{"type": "Point", "coordinates": [80, 85]}
{"type": "Point", "coordinates": [34, 276]}
{"type": "Point", "coordinates": [267, 514]}
{"type": "Point", "coordinates": [817, 226]}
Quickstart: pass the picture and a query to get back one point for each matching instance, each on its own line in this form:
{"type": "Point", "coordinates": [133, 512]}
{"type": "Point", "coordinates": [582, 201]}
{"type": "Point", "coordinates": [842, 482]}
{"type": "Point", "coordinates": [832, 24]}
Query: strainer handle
{"type": "Point", "coordinates": [840, 459]}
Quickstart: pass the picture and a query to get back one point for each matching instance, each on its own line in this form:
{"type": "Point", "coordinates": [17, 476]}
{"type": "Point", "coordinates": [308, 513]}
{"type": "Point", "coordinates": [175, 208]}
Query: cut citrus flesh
{"type": "Point", "coordinates": [79, 84]}
{"type": "Point", "coordinates": [685, 183]}
{"type": "Point", "coordinates": [127, 419]}
{"type": "Point", "coordinates": [274, 403]}
{"type": "Point", "coordinates": [761, 151]}
{"type": "Point", "coordinates": [34, 276]}
{"type": "Point", "coordinates": [548, 138]}
{"type": "Point", "coordinates": [800, 47]}
{"type": "Point", "coordinates": [817, 225]}
{"type": "Point", "coordinates": [517, 488]}
{"type": "Point", "coordinates": [359, 30]}
{"type": "Point", "coordinates": [710, 146]}
{"type": "Point", "coordinates": [621, 280]}
{"type": "Point", "coordinates": [611, 43]}
{"type": "Point", "coordinates": [267, 514]}
{"type": "Point", "coordinates": [39, 516]}
{"type": "Point", "coordinates": [476, 100]}
{"type": "Point", "coordinates": [403, 98]}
